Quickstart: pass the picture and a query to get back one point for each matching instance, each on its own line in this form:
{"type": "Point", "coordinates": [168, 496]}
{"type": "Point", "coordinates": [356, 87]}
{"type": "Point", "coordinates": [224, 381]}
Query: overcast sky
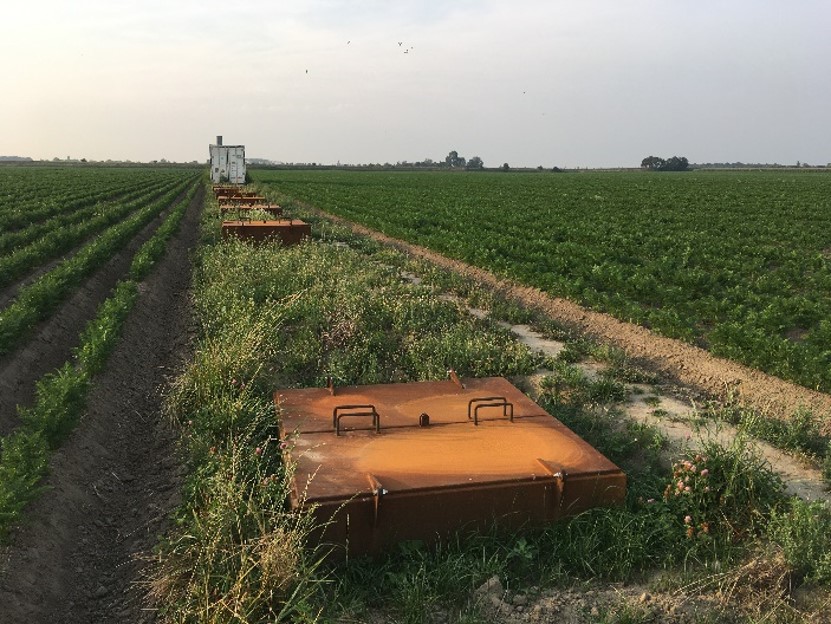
{"type": "Point", "coordinates": [578, 83]}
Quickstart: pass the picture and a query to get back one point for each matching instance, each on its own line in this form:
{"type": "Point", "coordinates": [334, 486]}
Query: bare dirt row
{"type": "Point", "coordinates": [115, 481]}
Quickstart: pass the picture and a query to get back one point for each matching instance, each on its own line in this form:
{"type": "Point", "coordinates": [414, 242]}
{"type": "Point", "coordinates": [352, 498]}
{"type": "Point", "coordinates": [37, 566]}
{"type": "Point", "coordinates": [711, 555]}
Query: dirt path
{"type": "Point", "coordinates": [115, 480]}
{"type": "Point", "coordinates": [52, 340]}
{"type": "Point", "coordinates": [674, 418]}
{"type": "Point", "coordinates": [677, 361]}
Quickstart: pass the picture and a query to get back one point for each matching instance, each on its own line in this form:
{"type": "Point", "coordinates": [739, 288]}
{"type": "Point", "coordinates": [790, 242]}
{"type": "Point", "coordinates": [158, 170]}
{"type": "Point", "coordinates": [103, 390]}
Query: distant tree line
{"type": "Point", "coordinates": [453, 160]}
{"type": "Point", "coordinates": [656, 163]}
{"type": "Point", "coordinates": [744, 165]}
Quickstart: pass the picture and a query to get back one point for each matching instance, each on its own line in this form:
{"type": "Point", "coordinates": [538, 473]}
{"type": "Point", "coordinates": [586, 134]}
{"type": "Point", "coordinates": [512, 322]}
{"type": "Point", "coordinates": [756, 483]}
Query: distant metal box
{"type": "Point", "coordinates": [382, 464]}
{"type": "Point", "coordinates": [227, 163]}
{"type": "Point", "coordinates": [272, 209]}
{"type": "Point", "coordinates": [246, 200]}
{"type": "Point", "coordinates": [287, 231]}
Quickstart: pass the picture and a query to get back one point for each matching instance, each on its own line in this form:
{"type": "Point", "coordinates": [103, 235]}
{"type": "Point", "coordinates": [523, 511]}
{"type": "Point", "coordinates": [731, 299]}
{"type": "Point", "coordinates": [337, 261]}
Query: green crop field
{"type": "Point", "coordinates": [58, 228]}
{"type": "Point", "coordinates": [736, 262]}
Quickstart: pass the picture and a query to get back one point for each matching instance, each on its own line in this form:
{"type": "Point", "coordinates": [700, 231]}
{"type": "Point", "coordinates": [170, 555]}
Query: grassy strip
{"type": "Point", "coordinates": [61, 395]}
{"type": "Point", "coordinates": [270, 318]}
{"type": "Point", "coordinates": [275, 318]}
{"type": "Point", "coordinates": [36, 301]}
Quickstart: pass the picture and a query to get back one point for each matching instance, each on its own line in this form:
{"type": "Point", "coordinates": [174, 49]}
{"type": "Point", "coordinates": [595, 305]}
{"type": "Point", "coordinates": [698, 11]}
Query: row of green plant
{"type": "Point", "coordinates": [279, 317]}
{"type": "Point", "coordinates": [70, 215]}
{"type": "Point", "coordinates": [61, 395]}
{"type": "Point", "coordinates": [37, 300]}
{"type": "Point", "coordinates": [63, 238]}
{"type": "Point", "coordinates": [737, 262]}
{"type": "Point", "coordinates": [23, 212]}
{"type": "Point", "coordinates": [32, 194]}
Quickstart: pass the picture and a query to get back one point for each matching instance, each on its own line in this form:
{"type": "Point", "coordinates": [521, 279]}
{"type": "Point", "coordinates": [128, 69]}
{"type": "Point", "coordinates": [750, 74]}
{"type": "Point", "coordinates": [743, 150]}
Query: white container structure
{"type": "Point", "coordinates": [227, 163]}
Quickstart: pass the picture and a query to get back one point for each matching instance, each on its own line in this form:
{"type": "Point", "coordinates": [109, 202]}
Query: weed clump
{"type": "Point", "coordinates": [802, 530]}
{"type": "Point", "coordinates": [725, 493]}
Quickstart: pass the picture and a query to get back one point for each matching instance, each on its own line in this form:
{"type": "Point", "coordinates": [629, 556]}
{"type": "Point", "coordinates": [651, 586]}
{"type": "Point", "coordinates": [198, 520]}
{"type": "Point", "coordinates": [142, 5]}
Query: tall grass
{"type": "Point", "coordinates": [273, 317]}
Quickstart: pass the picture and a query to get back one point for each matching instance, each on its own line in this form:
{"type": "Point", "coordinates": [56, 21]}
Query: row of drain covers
{"type": "Point", "coordinates": [236, 202]}
{"type": "Point", "coordinates": [382, 464]}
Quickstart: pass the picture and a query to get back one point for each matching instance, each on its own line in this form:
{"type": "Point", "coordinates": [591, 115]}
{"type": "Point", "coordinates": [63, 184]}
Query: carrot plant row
{"type": "Point", "coordinates": [37, 300]}
{"type": "Point", "coordinates": [74, 213]}
{"type": "Point", "coordinates": [30, 195]}
{"type": "Point", "coordinates": [61, 395]}
{"type": "Point", "coordinates": [62, 237]}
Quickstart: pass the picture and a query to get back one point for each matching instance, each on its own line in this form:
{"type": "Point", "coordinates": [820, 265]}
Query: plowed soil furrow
{"type": "Point", "coordinates": [677, 361]}
{"type": "Point", "coordinates": [52, 341]}
{"type": "Point", "coordinates": [115, 480]}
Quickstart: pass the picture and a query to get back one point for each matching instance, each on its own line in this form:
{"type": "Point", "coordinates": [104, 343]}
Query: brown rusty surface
{"type": "Point", "coordinates": [413, 482]}
{"type": "Point", "coordinates": [274, 210]}
{"type": "Point", "coordinates": [227, 191]}
{"type": "Point", "coordinates": [287, 231]}
{"type": "Point", "coordinates": [241, 200]}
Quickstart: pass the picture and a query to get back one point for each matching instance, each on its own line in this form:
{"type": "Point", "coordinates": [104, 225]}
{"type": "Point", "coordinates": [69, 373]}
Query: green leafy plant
{"type": "Point", "coordinates": [663, 252]}
{"type": "Point", "coordinates": [803, 530]}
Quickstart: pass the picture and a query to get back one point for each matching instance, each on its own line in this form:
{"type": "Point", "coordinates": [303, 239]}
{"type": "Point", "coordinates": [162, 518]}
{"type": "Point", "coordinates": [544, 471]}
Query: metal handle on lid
{"type": "Point", "coordinates": [474, 405]}
{"type": "Point", "coordinates": [350, 410]}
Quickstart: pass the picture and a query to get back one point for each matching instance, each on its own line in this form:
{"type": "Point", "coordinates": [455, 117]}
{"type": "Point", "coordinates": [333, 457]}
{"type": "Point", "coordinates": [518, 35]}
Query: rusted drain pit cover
{"type": "Point", "coordinates": [273, 209]}
{"type": "Point", "coordinates": [287, 231]}
{"type": "Point", "coordinates": [245, 199]}
{"type": "Point", "coordinates": [382, 464]}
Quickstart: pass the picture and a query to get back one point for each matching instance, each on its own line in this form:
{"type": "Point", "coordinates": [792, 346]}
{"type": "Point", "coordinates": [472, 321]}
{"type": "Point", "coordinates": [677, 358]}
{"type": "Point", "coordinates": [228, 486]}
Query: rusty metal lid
{"type": "Point", "coordinates": [267, 223]}
{"type": "Point", "coordinates": [382, 463]}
